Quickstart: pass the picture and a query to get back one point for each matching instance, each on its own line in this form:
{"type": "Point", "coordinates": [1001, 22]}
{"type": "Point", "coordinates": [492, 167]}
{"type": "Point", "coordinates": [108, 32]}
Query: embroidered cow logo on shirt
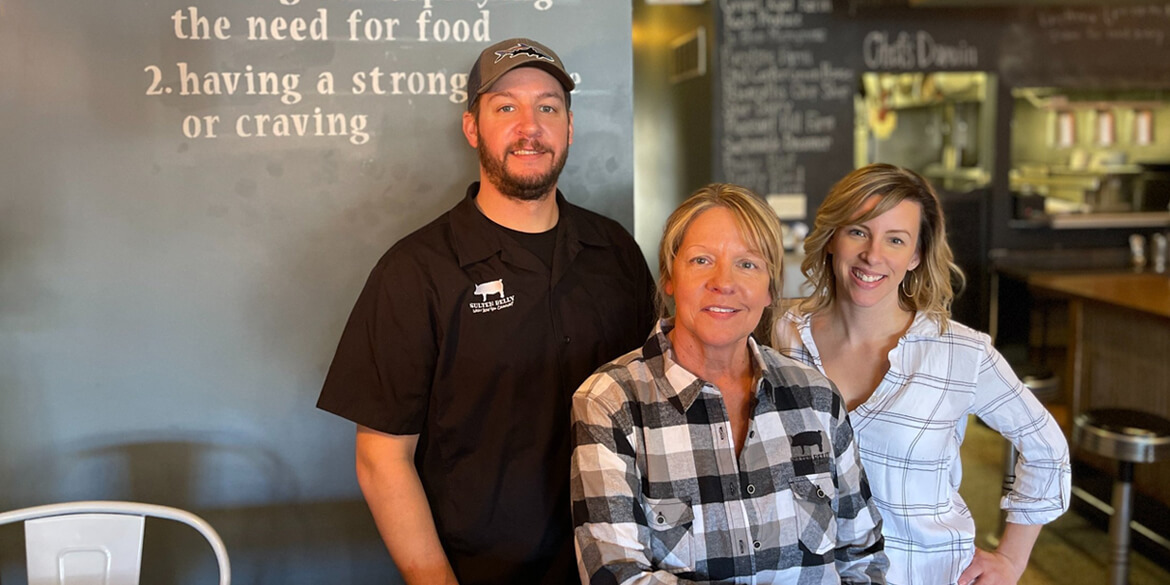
{"type": "Point", "coordinates": [487, 289]}
{"type": "Point", "coordinates": [810, 452]}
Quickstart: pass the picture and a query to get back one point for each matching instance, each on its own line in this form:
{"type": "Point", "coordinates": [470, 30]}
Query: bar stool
{"type": "Point", "coordinates": [1127, 436]}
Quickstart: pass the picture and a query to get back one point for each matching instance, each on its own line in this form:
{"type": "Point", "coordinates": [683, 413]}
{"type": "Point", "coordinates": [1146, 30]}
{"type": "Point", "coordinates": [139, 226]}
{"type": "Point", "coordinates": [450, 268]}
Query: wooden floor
{"type": "Point", "coordinates": [1070, 551]}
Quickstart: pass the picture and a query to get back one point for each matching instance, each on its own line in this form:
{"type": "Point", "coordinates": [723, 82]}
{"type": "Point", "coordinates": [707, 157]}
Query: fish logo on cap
{"type": "Point", "coordinates": [522, 49]}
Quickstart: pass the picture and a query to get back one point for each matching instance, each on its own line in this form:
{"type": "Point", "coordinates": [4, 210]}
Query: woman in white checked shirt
{"type": "Point", "coordinates": [878, 325]}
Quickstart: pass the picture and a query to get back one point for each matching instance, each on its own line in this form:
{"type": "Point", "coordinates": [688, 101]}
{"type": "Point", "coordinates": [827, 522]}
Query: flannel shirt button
{"type": "Point", "coordinates": [751, 434]}
{"type": "Point", "coordinates": [751, 489]}
{"type": "Point", "coordinates": [820, 493]}
{"type": "Point", "coordinates": [756, 545]}
{"type": "Point", "coordinates": [661, 519]}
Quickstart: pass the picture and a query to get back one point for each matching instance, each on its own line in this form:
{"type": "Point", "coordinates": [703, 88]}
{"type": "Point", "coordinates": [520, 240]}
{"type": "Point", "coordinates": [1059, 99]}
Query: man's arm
{"type": "Point", "coordinates": [391, 486]}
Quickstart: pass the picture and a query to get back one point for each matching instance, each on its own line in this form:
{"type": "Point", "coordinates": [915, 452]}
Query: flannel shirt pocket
{"type": "Point", "coordinates": [671, 541]}
{"type": "Point", "coordinates": [816, 521]}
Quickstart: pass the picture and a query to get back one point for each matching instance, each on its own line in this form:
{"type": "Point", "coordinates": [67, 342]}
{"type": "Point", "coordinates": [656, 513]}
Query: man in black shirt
{"type": "Point", "coordinates": [465, 346]}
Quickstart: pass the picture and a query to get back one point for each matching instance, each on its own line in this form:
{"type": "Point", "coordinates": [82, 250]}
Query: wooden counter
{"type": "Point", "coordinates": [1119, 351]}
{"type": "Point", "coordinates": [1146, 292]}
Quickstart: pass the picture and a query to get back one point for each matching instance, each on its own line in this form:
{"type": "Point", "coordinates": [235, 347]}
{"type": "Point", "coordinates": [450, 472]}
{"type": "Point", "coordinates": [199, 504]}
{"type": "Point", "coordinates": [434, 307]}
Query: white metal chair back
{"type": "Point", "coordinates": [97, 543]}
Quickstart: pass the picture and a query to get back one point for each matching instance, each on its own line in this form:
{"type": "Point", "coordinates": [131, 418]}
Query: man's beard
{"type": "Point", "coordinates": [522, 188]}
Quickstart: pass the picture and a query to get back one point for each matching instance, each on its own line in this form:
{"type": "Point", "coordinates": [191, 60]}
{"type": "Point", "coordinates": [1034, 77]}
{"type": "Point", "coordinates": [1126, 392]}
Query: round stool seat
{"type": "Point", "coordinates": [1044, 384]}
{"type": "Point", "coordinates": [1123, 435]}
{"type": "Point", "coordinates": [1045, 389]}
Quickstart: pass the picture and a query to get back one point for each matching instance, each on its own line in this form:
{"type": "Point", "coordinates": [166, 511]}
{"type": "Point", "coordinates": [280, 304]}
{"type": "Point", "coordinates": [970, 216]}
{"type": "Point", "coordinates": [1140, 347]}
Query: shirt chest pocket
{"type": "Point", "coordinates": [816, 522]}
{"type": "Point", "coordinates": [671, 540]}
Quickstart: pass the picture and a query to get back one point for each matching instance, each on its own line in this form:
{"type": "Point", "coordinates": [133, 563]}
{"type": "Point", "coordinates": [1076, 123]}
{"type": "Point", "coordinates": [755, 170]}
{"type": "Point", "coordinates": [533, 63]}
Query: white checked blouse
{"type": "Point", "coordinates": [659, 495]}
{"type": "Point", "coordinates": [909, 432]}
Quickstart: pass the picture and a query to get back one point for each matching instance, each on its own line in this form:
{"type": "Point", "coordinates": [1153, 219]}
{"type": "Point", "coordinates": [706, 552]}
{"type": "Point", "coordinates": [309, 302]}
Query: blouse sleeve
{"type": "Point", "coordinates": [1042, 488]}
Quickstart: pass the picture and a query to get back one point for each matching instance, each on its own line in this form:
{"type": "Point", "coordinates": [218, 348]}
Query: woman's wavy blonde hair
{"type": "Point", "coordinates": [929, 287]}
{"type": "Point", "coordinates": [758, 225]}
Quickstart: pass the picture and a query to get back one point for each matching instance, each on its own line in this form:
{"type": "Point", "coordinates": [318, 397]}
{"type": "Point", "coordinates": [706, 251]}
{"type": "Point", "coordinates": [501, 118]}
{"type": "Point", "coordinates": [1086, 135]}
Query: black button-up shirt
{"type": "Point", "coordinates": [466, 338]}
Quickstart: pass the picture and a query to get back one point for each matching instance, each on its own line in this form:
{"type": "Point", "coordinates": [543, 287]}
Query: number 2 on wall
{"type": "Point", "coordinates": [155, 85]}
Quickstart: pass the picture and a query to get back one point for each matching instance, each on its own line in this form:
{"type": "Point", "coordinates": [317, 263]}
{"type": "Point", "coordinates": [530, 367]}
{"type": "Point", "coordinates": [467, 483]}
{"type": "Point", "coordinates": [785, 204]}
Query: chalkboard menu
{"type": "Point", "coordinates": [786, 96]}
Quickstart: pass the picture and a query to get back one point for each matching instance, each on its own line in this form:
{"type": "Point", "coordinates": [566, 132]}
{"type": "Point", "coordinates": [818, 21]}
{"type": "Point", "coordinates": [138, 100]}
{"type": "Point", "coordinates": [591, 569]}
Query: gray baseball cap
{"type": "Point", "coordinates": [507, 55]}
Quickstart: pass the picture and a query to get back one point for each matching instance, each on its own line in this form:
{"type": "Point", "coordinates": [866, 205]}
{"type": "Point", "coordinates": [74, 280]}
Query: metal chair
{"type": "Point", "coordinates": [97, 542]}
{"type": "Point", "coordinates": [1128, 437]}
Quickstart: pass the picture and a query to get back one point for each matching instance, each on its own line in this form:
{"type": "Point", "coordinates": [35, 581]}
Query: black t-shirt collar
{"type": "Point", "coordinates": [476, 237]}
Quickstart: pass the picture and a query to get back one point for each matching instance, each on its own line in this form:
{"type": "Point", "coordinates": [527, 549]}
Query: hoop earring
{"type": "Point", "coordinates": [911, 276]}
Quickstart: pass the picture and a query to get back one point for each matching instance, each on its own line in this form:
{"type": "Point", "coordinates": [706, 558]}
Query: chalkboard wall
{"type": "Point", "coordinates": [785, 96]}
{"type": "Point", "coordinates": [194, 193]}
{"type": "Point", "coordinates": [788, 70]}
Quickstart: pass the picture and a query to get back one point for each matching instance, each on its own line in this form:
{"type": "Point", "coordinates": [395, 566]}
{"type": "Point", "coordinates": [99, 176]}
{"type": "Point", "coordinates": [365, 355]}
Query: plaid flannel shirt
{"type": "Point", "coordinates": [660, 497]}
{"type": "Point", "coordinates": [909, 432]}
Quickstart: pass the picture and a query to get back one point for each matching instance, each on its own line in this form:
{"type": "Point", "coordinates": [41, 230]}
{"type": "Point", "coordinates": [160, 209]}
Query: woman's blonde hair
{"type": "Point", "coordinates": [757, 224]}
{"type": "Point", "coordinates": [928, 288]}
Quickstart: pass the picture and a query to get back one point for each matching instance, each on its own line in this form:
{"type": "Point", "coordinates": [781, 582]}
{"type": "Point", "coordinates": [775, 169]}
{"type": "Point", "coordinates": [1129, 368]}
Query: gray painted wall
{"type": "Point", "coordinates": [169, 303]}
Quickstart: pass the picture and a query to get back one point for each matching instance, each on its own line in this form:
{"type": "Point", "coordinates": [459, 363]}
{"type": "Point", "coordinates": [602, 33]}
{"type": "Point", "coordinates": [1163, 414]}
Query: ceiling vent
{"type": "Point", "coordinates": [688, 56]}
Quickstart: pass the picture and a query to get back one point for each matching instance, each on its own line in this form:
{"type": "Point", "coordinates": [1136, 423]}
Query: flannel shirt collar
{"type": "Point", "coordinates": [679, 385]}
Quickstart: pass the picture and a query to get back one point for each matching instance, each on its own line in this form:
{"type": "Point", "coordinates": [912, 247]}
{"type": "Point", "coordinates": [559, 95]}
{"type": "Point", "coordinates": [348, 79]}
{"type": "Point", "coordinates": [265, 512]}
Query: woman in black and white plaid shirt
{"type": "Point", "coordinates": [705, 457]}
{"type": "Point", "coordinates": [878, 325]}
